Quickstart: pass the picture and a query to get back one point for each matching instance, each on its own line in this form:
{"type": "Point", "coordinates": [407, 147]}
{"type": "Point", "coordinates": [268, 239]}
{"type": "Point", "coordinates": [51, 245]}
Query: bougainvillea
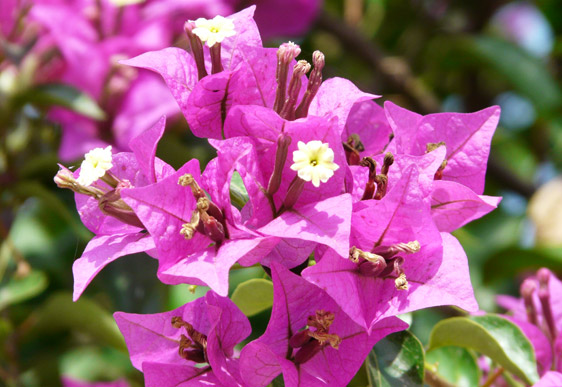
{"type": "Point", "coordinates": [358, 200]}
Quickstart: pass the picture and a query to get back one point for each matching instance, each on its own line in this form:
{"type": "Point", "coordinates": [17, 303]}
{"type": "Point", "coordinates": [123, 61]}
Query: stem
{"type": "Point", "coordinates": [492, 378]}
{"type": "Point", "coordinates": [434, 380]}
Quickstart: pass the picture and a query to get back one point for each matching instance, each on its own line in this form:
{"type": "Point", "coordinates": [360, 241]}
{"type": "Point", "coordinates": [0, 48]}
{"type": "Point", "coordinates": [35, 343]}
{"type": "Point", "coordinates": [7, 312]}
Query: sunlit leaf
{"type": "Point", "coordinates": [493, 336]}
{"type": "Point", "coordinates": [456, 365]}
{"type": "Point", "coordinates": [254, 296]}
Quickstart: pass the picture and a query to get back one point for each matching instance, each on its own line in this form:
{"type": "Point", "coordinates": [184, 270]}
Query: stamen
{"type": "Point", "coordinates": [431, 146]}
{"type": "Point", "coordinates": [370, 186]}
{"type": "Point", "coordinates": [196, 49]}
{"type": "Point", "coordinates": [401, 283]}
{"type": "Point", "coordinates": [382, 182]}
{"type": "Point", "coordinates": [311, 342]}
{"type": "Point", "coordinates": [314, 83]}
{"type": "Point", "coordinates": [285, 55]}
{"type": "Point", "coordinates": [352, 148]}
{"type": "Point", "coordinates": [301, 68]}
{"type": "Point", "coordinates": [382, 179]}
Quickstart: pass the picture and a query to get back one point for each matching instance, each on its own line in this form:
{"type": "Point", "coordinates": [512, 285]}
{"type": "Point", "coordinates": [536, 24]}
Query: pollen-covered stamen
{"type": "Point", "coordinates": [207, 218]}
{"type": "Point", "coordinates": [544, 296]}
{"type": "Point", "coordinates": [212, 227]}
{"type": "Point", "coordinates": [314, 161]}
{"type": "Point", "coordinates": [352, 147]}
{"type": "Point", "coordinates": [309, 342]}
{"type": "Point", "coordinates": [392, 250]}
{"type": "Point", "coordinates": [313, 86]}
{"type": "Point", "coordinates": [383, 261]}
{"type": "Point", "coordinates": [370, 186]}
{"type": "Point", "coordinates": [283, 142]}
{"type": "Point", "coordinates": [382, 178]}
{"type": "Point", "coordinates": [301, 68]}
{"type": "Point", "coordinates": [215, 30]}
{"type": "Point", "coordinates": [194, 347]}
{"type": "Point", "coordinates": [188, 229]}
{"type": "Point", "coordinates": [527, 289]}
{"type": "Point", "coordinates": [196, 49]}
{"type": "Point", "coordinates": [213, 210]}
{"type": "Point", "coordinates": [95, 165]}
{"type": "Point", "coordinates": [286, 53]}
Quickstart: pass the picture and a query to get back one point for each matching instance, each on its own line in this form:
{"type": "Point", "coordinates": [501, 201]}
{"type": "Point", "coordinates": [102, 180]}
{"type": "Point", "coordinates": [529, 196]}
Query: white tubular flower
{"type": "Point", "coordinates": [314, 161]}
{"type": "Point", "coordinates": [214, 30]}
{"type": "Point", "coordinates": [95, 163]}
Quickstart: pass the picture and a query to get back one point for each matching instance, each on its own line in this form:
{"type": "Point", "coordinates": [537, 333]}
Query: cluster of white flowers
{"type": "Point", "coordinates": [214, 30]}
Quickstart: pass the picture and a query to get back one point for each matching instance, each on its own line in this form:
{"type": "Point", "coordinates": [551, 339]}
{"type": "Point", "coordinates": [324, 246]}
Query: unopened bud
{"type": "Point", "coordinates": [285, 55]}
{"type": "Point", "coordinates": [313, 84]}
{"type": "Point", "coordinates": [301, 68]}
{"type": "Point", "coordinates": [387, 162]}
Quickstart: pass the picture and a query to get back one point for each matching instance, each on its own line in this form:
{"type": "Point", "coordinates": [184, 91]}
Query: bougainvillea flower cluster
{"type": "Point", "coordinates": [358, 200]}
{"type": "Point", "coordinates": [539, 315]}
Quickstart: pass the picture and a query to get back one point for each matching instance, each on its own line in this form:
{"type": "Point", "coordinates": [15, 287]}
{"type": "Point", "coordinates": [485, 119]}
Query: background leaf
{"type": "Point", "coordinates": [396, 360]}
{"type": "Point", "coordinates": [456, 365]}
{"type": "Point", "coordinates": [493, 336]}
{"type": "Point", "coordinates": [253, 296]}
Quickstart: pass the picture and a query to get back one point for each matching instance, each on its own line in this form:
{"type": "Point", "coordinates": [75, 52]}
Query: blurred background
{"type": "Point", "coordinates": [426, 55]}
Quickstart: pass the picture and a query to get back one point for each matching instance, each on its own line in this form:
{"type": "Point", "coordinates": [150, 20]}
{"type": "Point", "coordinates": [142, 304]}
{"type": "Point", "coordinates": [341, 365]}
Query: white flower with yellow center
{"type": "Point", "coordinates": [96, 163]}
{"type": "Point", "coordinates": [214, 30]}
{"type": "Point", "coordinates": [314, 161]}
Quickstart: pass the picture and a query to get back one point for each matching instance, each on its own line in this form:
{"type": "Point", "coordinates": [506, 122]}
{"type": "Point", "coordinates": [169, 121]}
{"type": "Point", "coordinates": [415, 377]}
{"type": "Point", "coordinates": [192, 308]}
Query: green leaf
{"type": "Point", "coordinates": [456, 365]}
{"type": "Point", "coordinates": [521, 260]}
{"type": "Point", "coordinates": [85, 316]}
{"type": "Point", "coordinates": [493, 336]}
{"type": "Point", "coordinates": [57, 94]}
{"type": "Point", "coordinates": [525, 73]}
{"type": "Point", "coordinates": [20, 289]}
{"type": "Point", "coordinates": [238, 193]}
{"type": "Point", "coordinates": [253, 296]}
{"type": "Point", "coordinates": [396, 360]}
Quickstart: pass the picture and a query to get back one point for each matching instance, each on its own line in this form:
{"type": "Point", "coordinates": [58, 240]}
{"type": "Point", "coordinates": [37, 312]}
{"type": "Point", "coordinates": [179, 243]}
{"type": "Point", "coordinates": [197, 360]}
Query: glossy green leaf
{"type": "Point", "coordinates": [456, 365]}
{"type": "Point", "coordinates": [59, 313]}
{"type": "Point", "coordinates": [493, 336]}
{"type": "Point", "coordinates": [253, 296]}
{"type": "Point", "coordinates": [238, 192]}
{"type": "Point", "coordinates": [396, 360]}
{"type": "Point", "coordinates": [55, 94]}
{"type": "Point", "coordinates": [20, 289]}
{"type": "Point", "coordinates": [506, 263]}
